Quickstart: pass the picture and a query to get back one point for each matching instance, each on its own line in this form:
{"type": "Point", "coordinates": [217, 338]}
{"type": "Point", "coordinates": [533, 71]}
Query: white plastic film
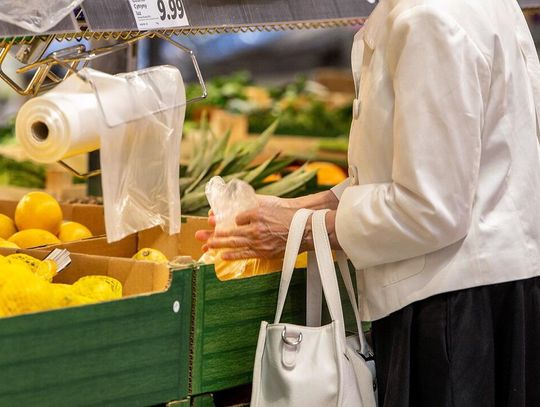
{"type": "Point", "coordinates": [227, 201]}
{"type": "Point", "coordinates": [61, 123]}
{"type": "Point", "coordinates": [140, 156]}
{"type": "Point", "coordinates": [36, 15]}
{"type": "Point", "coordinates": [136, 119]}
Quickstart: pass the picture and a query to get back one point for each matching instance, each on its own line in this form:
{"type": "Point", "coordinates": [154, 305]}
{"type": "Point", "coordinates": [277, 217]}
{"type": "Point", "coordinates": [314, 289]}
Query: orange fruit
{"type": "Point", "coordinates": [38, 210]}
{"type": "Point", "coordinates": [33, 238]}
{"type": "Point", "coordinates": [328, 174]}
{"type": "Point", "coordinates": [7, 226]}
{"type": "Point", "coordinates": [272, 178]}
{"type": "Point", "coordinates": [71, 231]}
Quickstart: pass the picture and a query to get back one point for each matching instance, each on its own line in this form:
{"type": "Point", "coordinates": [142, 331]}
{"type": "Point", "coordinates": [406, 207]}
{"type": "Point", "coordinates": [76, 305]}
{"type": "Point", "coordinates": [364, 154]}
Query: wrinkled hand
{"type": "Point", "coordinates": [260, 233]}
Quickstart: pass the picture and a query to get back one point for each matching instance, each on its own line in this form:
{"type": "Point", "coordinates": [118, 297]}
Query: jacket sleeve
{"type": "Point", "coordinates": [340, 188]}
{"type": "Point", "coordinates": [438, 75]}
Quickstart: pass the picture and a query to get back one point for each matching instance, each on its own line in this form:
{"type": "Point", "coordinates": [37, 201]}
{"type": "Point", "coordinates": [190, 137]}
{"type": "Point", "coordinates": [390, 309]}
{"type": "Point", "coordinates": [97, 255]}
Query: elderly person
{"type": "Point", "coordinates": [441, 211]}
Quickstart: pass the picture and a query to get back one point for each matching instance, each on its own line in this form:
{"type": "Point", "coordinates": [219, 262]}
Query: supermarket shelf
{"type": "Point", "coordinates": [105, 15]}
{"type": "Point", "coordinates": [68, 24]}
{"type": "Point", "coordinates": [114, 19]}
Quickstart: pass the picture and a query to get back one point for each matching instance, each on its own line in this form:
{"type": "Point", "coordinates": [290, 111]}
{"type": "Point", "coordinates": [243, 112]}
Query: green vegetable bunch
{"type": "Point", "coordinates": [21, 173]}
{"type": "Point", "coordinates": [300, 111]}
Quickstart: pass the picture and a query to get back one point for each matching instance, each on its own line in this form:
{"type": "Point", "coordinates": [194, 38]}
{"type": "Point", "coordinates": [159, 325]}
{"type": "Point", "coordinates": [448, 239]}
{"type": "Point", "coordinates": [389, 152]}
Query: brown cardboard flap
{"type": "Point", "coordinates": [98, 246]}
{"type": "Point", "coordinates": [182, 244]}
{"type": "Point", "coordinates": [137, 277]}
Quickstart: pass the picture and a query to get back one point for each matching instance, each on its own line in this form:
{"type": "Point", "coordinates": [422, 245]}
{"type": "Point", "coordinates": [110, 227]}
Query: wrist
{"type": "Point", "coordinates": [331, 229]}
{"type": "Point", "coordinates": [320, 200]}
{"type": "Point", "coordinates": [307, 239]}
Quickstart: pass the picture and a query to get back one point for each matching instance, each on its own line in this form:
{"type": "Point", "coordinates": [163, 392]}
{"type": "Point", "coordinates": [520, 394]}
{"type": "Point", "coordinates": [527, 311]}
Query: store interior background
{"type": "Point", "coordinates": [268, 57]}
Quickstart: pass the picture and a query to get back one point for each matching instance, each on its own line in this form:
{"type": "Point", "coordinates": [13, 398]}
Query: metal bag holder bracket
{"type": "Point", "coordinates": [73, 59]}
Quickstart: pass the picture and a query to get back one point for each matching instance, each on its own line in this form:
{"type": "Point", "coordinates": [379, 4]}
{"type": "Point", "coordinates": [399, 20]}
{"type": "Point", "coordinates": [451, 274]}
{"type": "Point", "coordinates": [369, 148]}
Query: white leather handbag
{"type": "Point", "coordinates": [313, 365]}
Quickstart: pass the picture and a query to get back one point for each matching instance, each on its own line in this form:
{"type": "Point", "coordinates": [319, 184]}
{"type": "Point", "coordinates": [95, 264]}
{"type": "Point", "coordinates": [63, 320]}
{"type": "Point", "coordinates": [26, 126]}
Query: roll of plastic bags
{"type": "Point", "coordinates": [61, 123]}
{"type": "Point", "coordinates": [36, 15]}
{"type": "Point", "coordinates": [136, 119]}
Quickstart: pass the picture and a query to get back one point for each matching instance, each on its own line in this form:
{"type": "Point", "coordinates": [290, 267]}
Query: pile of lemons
{"type": "Point", "coordinates": [26, 286]}
{"type": "Point", "coordinates": [39, 222]}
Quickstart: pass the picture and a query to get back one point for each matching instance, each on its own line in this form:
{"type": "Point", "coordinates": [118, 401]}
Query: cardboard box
{"type": "Point", "coordinates": [182, 244]}
{"type": "Point", "coordinates": [128, 352]}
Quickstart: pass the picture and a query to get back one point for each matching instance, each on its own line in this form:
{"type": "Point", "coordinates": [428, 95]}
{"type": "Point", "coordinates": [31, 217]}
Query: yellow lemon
{"type": "Point", "coordinates": [101, 288]}
{"type": "Point", "coordinates": [7, 243]}
{"type": "Point", "coordinates": [328, 174]}
{"type": "Point", "coordinates": [7, 226]}
{"type": "Point", "coordinates": [31, 262]}
{"type": "Point", "coordinates": [47, 269]}
{"type": "Point", "coordinates": [65, 295]}
{"type": "Point", "coordinates": [22, 291]}
{"type": "Point", "coordinates": [33, 238]}
{"type": "Point", "coordinates": [71, 231]}
{"type": "Point", "coordinates": [38, 210]}
{"type": "Point", "coordinates": [148, 254]}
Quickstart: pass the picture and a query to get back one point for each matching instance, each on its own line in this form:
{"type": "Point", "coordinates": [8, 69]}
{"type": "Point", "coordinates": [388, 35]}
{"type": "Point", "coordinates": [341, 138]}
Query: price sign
{"type": "Point", "coordinates": [159, 14]}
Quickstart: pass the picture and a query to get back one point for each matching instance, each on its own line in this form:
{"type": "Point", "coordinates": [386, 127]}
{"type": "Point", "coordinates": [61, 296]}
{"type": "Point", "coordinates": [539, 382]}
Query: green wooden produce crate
{"type": "Point", "coordinates": [130, 352]}
{"type": "Point", "coordinates": [227, 318]}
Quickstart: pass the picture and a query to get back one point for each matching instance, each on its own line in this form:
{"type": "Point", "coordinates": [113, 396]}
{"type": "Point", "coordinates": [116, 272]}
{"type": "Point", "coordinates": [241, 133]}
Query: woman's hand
{"type": "Point", "coordinates": [262, 232]}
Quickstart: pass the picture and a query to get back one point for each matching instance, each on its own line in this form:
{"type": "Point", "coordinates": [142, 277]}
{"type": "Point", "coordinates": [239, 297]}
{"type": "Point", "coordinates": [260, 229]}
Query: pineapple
{"type": "Point", "coordinates": [216, 156]}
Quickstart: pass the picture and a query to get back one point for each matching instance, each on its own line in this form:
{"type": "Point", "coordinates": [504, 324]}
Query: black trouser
{"type": "Point", "coordinates": [470, 348]}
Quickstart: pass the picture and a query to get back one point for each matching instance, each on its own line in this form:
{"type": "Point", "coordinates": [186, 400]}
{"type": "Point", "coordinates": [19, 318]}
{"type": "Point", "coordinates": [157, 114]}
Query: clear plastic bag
{"type": "Point", "coordinates": [36, 15]}
{"type": "Point", "coordinates": [228, 200]}
{"type": "Point", "coordinates": [136, 119]}
{"type": "Point", "coordinates": [140, 153]}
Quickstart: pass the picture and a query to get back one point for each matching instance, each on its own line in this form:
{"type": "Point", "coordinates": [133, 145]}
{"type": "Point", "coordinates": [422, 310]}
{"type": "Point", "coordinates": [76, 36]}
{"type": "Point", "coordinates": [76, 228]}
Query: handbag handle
{"type": "Point", "coordinates": [314, 293]}
{"type": "Point", "coordinates": [343, 265]}
{"type": "Point", "coordinates": [326, 268]}
{"type": "Point", "coordinates": [294, 240]}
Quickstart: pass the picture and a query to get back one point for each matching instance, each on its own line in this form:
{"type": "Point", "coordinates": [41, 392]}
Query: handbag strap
{"type": "Point", "coordinates": [343, 265]}
{"type": "Point", "coordinates": [294, 240]}
{"type": "Point", "coordinates": [313, 292]}
{"type": "Point", "coordinates": [326, 269]}
{"type": "Point", "coordinates": [314, 296]}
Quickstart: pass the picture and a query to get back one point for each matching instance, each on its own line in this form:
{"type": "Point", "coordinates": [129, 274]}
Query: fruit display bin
{"type": "Point", "coordinates": [212, 341]}
{"type": "Point", "coordinates": [127, 352]}
{"type": "Point", "coordinates": [179, 335]}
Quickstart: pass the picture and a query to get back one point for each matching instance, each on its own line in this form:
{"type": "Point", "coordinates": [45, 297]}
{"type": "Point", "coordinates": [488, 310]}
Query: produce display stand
{"type": "Point", "coordinates": [127, 352]}
{"type": "Point", "coordinates": [195, 338]}
{"type": "Point", "coordinates": [225, 315]}
{"type": "Point", "coordinates": [184, 335]}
